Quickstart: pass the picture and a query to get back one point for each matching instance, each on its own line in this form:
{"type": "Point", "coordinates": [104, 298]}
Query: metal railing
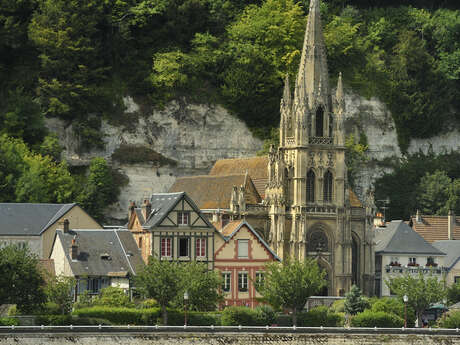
{"type": "Point", "coordinates": [222, 329]}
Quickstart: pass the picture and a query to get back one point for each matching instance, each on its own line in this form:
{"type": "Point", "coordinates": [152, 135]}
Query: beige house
{"type": "Point", "coordinates": [96, 258]}
{"type": "Point", "coordinates": [240, 256]}
{"type": "Point", "coordinates": [170, 226]}
{"type": "Point", "coordinates": [36, 224]}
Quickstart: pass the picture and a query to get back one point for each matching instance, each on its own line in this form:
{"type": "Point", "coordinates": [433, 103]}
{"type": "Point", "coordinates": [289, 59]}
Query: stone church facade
{"type": "Point", "coordinates": [298, 198]}
{"type": "Point", "coordinates": [309, 202]}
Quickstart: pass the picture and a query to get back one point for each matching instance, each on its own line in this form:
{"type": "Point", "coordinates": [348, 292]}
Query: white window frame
{"type": "Point", "coordinates": [200, 247]}
{"type": "Point", "coordinates": [227, 281]}
{"type": "Point", "coordinates": [243, 281]}
{"type": "Point", "coordinates": [170, 240]}
{"type": "Point", "coordinates": [183, 218]}
{"type": "Point", "coordinates": [243, 254]}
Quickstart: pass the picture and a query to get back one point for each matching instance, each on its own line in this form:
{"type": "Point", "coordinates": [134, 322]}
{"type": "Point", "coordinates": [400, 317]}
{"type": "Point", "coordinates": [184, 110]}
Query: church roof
{"type": "Point", "coordinates": [213, 192]}
{"type": "Point", "coordinates": [256, 167]}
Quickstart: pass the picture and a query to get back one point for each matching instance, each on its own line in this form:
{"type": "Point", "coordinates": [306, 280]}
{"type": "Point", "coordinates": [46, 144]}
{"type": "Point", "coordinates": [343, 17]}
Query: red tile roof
{"type": "Point", "coordinates": [435, 228]}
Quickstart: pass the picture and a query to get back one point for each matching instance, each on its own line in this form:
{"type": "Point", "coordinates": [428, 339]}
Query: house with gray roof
{"type": "Point", "coordinates": [452, 259]}
{"type": "Point", "coordinates": [401, 250]}
{"type": "Point", "coordinates": [97, 258]}
{"type": "Point", "coordinates": [35, 224]}
{"type": "Point", "coordinates": [170, 226]}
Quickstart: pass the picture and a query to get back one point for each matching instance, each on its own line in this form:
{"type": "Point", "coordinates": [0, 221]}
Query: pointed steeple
{"type": "Point", "coordinates": [287, 91]}
{"type": "Point", "coordinates": [339, 96]}
{"type": "Point", "coordinates": [312, 85]}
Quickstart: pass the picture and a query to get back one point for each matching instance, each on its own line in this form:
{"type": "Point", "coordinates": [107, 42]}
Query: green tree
{"type": "Point", "coordinates": [21, 281]}
{"type": "Point", "coordinates": [59, 290]}
{"type": "Point", "coordinates": [202, 286]}
{"type": "Point", "coordinates": [162, 281]}
{"type": "Point", "coordinates": [12, 152]}
{"type": "Point", "coordinates": [434, 192]}
{"type": "Point", "coordinates": [51, 147]}
{"type": "Point", "coordinates": [288, 285]}
{"type": "Point", "coordinates": [421, 290]}
{"type": "Point", "coordinates": [354, 301]}
{"type": "Point", "coordinates": [453, 293]}
{"type": "Point", "coordinates": [113, 297]}
{"type": "Point", "coordinates": [99, 191]}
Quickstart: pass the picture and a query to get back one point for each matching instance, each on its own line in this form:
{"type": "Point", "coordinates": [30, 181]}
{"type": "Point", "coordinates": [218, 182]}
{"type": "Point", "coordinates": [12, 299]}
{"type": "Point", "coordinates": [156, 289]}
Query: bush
{"type": "Point", "coordinates": [147, 304]}
{"type": "Point", "coordinates": [283, 320]}
{"type": "Point", "coordinates": [235, 316]}
{"type": "Point", "coordinates": [320, 316]}
{"type": "Point", "coordinates": [194, 318]}
{"type": "Point", "coordinates": [338, 306]}
{"type": "Point", "coordinates": [8, 321]}
{"type": "Point", "coordinates": [394, 306]}
{"type": "Point", "coordinates": [65, 320]}
{"type": "Point", "coordinates": [451, 320]}
{"type": "Point", "coordinates": [265, 315]}
{"type": "Point", "coordinates": [121, 316]}
{"type": "Point", "coordinates": [113, 297]}
{"type": "Point", "coordinates": [369, 318]}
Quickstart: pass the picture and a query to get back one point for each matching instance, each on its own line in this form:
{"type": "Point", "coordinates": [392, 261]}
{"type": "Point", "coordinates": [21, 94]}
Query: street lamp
{"type": "Point", "coordinates": [405, 299]}
{"type": "Point", "coordinates": [185, 307]}
{"type": "Point", "coordinates": [444, 312]}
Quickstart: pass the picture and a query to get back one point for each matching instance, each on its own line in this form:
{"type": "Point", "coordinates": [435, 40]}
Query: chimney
{"type": "Point", "coordinates": [66, 226]}
{"type": "Point", "coordinates": [418, 217]}
{"type": "Point", "coordinates": [451, 225]}
{"type": "Point", "coordinates": [378, 220]}
{"type": "Point", "coordinates": [132, 206]}
{"type": "Point", "coordinates": [74, 249]}
{"type": "Point", "coordinates": [146, 209]}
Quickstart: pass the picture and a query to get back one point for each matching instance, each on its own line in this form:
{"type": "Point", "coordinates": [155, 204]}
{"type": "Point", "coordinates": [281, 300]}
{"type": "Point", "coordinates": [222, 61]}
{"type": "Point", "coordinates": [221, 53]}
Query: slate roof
{"type": "Point", "coordinates": [452, 249]}
{"type": "Point", "coordinates": [26, 219]}
{"type": "Point", "coordinates": [213, 192]}
{"type": "Point", "coordinates": [229, 230]}
{"type": "Point", "coordinates": [256, 167]}
{"type": "Point", "coordinates": [434, 228]}
{"type": "Point", "coordinates": [124, 256]}
{"type": "Point", "coordinates": [162, 204]}
{"type": "Point", "coordinates": [399, 238]}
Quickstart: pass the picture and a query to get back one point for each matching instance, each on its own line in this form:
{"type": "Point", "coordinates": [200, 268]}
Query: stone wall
{"type": "Point", "coordinates": [234, 339]}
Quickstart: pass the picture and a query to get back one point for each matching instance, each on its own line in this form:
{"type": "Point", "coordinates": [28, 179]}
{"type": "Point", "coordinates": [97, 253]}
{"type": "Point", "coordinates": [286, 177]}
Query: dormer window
{"type": "Point", "coordinates": [106, 256]}
{"type": "Point", "coordinates": [183, 218]}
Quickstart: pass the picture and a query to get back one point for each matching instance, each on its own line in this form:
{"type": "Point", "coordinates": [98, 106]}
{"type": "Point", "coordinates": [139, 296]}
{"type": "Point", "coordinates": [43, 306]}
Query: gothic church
{"type": "Point", "coordinates": [298, 196]}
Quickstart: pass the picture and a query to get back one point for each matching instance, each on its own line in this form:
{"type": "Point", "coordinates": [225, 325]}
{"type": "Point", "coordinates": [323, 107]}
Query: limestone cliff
{"type": "Point", "coordinates": [153, 148]}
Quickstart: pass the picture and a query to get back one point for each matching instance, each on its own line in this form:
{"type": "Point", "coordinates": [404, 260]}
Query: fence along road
{"type": "Point", "coordinates": [135, 330]}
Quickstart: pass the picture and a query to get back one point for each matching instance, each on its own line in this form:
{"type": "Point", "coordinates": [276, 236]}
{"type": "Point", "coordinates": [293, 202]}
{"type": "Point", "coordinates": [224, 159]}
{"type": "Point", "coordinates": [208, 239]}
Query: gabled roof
{"type": "Point", "coordinates": [123, 256]}
{"type": "Point", "coordinates": [435, 228]}
{"type": "Point", "coordinates": [214, 192]}
{"type": "Point", "coordinates": [164, 203]}
{"type": "Point", "coordinates": [452, 249]}
{"type": "Point", "coordinates": [399, 238]}
{"type": "Point", "coordinates": [28, 219]}
{"type": "Point", "coordinates": [232, 228]}
{"type": "Point", "coordinates": [256, 167]}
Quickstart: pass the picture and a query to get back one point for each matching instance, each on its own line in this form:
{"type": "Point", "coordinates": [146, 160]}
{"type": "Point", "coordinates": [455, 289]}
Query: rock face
{"type": "Point", "coordinates": [194, 136]}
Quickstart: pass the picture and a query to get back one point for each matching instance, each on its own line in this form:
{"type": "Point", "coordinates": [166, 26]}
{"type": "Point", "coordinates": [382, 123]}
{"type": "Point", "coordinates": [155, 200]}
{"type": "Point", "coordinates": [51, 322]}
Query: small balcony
{"type": "Point", "coordinates": [320, 140]}
{"type": "Point", "coordinates": [415, 268]}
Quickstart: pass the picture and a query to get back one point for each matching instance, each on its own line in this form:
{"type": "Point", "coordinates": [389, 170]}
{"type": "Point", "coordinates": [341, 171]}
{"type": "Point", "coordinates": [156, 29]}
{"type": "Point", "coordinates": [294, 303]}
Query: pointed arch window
{"type": "Point", "coordinates": [310, 186]}
{"type": "Point", "coordinates": [327, 187]}
{"type": "Point", "coordinates": [319, 122]}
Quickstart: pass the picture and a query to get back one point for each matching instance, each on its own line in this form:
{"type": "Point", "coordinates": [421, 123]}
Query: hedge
{"type": "Point", "coordinates": [451, 320]}
{"type": "Point", "coordinates": [369, 318]}
{"type": "Point", "coordinates": [244, 316]}
{"type": "Point", "coordinates": [320, 316]}
{"type": "Point", "coordinates": [121, 316]}
{"type": "Point", "coordinates": [65, 320]}
{"type": "Point", "coordinates": [9, 321]}
{"type": "Point", "coordinates": [194, 318]}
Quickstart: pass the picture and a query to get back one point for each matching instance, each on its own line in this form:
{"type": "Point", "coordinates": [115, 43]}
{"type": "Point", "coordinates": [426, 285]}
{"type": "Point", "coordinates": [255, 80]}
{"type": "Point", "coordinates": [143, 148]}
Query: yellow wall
{"type": "Point", "coordinates": [61, 264]}
{"type": "Point", "coordinates": [78, 219]}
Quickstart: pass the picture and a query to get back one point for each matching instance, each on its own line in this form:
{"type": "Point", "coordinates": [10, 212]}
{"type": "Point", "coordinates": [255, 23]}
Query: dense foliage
{"type": "Point", "coordinates": [369, 318]}
{"type": "Point", "coordinates": [428, 182]}
{"type": "Point", "coordinates": [21, 281]}
{"type": "Point", "coordinates": [355, 302]}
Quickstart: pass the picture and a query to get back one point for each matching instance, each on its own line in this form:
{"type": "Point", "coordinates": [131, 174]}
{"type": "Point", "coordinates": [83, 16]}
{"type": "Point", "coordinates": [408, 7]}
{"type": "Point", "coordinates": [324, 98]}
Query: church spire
{"type": "Point", "coordinates": [287, 91]}
{"type": "Point", "coordinates": [312, 85]}
{"type": "Point", "coordinates": [339, 93]}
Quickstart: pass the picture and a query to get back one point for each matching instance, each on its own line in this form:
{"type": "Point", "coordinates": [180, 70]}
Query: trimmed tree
{"type": "Point", "coordinates": [59, 291]}
{"type": "Point", "coordinates": [354, 301]}
{"type": "Point", "coordinates": [288, 285]}
{"type": "Point", "coordinates": [421, 290]}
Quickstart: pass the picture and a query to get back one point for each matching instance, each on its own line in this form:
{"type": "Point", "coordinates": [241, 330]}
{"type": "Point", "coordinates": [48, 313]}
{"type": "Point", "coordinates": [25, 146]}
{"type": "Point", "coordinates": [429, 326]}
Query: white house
{"type": "Point", "coordinates": [400, 250]}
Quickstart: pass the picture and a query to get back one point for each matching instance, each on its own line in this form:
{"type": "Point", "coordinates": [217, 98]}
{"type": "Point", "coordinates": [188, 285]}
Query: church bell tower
{"type": "Point", "coordinates": [309, 202]}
